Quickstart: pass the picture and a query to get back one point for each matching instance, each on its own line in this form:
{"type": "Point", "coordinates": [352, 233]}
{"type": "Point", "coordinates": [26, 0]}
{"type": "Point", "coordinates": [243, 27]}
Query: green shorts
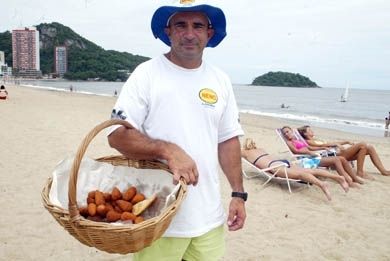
{"type": "Point", "coordinates": [210, 246]}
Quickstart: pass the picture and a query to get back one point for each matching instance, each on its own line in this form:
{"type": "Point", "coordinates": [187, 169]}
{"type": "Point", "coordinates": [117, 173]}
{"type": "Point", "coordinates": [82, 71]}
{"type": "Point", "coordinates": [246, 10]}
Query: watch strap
{"type": "Point", "coordinates": [242, 195]}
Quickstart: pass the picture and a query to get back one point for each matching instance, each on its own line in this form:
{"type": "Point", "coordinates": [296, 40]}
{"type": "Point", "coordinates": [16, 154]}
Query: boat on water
{"type": "Point", "coordinates": [344, 96]}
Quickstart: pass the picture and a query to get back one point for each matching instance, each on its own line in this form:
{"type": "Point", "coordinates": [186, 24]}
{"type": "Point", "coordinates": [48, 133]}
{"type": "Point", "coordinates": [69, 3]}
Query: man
{"type": "Point", "coordinates": [387, 121]}
{"type": "Point", "coordinates": [184, 112]}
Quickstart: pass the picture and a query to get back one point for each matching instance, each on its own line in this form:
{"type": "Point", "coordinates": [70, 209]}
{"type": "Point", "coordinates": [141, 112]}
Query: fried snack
{"type": "Point", "coordinates": [128, 216]}
{"type": "Point", "coordinates": [107, 196]}
{"type": "Point", "coordinates": [92, 209]}
{"type": "Point", "coordinates": [114, 206]}
{"type": "Point", "coordinates": [101, 210]}
{"type": "Point", "coordinates": [138, 219]}
{"type": "Point", "coordinates": [116, 194]}
{"type": "Point", "coordinates": [124, 205]}
{"type": "Point", "coordinates": [90, 200]}
{"type": "Point", "coordinates": [92, 194]}
{"type": "Point", "coordinates": [129, 194]}
{"type": "Point", "coordinates": [118, 209]}
{"type": "Point", "coordinates": [113, 216]}
{"type": "Point", "coordinates": [142, 205]}
{"type": "Point", "coordinates": [109, 206]}
{"type": "Point", "coordinates": [95, 218]}
{"type": "Point", "coordinates": [99, 198]}
{"type": "Point", "coordinates": [84, 211]}
{"type": "Point", "coordinates": [137, 198]}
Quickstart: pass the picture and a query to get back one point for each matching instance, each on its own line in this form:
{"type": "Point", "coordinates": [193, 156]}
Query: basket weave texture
{"type": "Point", "coordinates": [120, 239]}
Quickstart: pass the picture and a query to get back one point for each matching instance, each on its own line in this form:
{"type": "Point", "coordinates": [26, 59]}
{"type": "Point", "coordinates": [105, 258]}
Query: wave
{"type": "Point", "coordinates": [59, 89]}
{"type": "Point", "coordinates": [347, 124]}
{"type": "Point", "coordinates": [316, 119]}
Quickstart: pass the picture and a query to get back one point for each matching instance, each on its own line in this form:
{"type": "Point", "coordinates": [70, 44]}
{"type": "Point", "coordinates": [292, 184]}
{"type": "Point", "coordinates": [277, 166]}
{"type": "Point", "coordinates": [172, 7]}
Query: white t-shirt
{"type": "Point", "coordinates": [195, 109]}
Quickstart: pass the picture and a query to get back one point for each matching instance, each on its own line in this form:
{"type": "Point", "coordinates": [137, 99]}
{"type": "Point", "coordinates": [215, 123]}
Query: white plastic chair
{"type": "Point", "coordinates": [269, 175]}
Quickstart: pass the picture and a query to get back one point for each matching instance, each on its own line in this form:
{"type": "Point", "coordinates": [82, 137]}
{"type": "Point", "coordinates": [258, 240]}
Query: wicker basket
{"type": "Point", "coordinates": [123, 239]}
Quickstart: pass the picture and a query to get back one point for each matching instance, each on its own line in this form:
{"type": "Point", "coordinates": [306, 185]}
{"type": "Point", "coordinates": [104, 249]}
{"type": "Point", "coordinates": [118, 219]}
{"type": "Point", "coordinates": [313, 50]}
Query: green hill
{"type": "Point", "coordinates": [6, 46]}
{"type": "Point", "coordinates": [283, 79]}
{"type": "Point", "coordinates": [85, 59]}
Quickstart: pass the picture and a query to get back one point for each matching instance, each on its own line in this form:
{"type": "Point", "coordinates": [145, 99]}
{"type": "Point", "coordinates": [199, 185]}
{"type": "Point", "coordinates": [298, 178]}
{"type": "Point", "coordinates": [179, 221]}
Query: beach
{"type": "Point", "coordinates": [41, 127]}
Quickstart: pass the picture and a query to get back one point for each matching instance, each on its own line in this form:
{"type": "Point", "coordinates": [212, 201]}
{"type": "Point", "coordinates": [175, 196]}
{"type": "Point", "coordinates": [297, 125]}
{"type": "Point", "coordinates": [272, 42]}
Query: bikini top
{"type": "Point", "coordinates": [319, 142]}
{"type": "Point", "coordinates": [298, 144]}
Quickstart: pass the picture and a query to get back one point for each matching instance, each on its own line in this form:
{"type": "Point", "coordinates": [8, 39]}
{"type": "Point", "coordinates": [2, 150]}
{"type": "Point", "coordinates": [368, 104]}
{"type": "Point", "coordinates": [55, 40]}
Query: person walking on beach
{"type": "Point", "coordinates": [3, 93]}
{"type": "Point", "coordinates": [184, 113]}
{"type": "Point", "coordinates": [387, 122]}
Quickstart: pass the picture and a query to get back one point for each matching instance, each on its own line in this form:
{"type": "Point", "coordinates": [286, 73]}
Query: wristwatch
{"type": "Point", "coordinates": [243, 195]}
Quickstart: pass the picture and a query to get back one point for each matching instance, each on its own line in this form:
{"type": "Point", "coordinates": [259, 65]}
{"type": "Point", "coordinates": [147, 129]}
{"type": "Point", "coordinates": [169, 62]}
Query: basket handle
{"type": "Point", "coordinates": [73, 210]}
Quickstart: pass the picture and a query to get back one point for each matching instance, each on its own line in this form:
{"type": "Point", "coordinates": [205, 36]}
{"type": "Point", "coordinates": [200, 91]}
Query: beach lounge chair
{"type": "Point", "coordinates": [323, 153]}
{"type": "Point", "coordinates": [269, 175]}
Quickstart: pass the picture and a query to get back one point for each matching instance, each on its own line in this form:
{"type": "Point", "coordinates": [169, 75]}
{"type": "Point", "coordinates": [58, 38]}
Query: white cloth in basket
{"type": "Point", "coordinates": [95, 175]}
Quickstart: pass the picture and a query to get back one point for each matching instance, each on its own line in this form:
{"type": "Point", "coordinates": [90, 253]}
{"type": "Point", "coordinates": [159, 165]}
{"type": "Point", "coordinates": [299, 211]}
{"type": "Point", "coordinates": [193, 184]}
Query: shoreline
{"type": "Point", "coordinates": [40, 128]}
{"type": "Point", "coordinates": [353, 126]}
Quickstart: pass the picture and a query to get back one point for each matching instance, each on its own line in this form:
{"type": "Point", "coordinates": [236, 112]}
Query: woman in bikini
{"type": "Point", "coordinates": [339, 163]}
{"type": "Point", "coordinates": [356, 151]}
{"type": "Point", "coordinates": [262, 159]}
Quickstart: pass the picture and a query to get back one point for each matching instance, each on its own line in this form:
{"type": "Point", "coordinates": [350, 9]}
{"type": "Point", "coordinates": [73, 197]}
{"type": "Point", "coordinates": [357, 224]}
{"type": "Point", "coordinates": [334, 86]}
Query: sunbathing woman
{"type": "Point", "coordinates": [339, 163]}
{"type": "Point", "coordinates": [262, 159]}
{"type": "Point", "coordinates": [357, 151]}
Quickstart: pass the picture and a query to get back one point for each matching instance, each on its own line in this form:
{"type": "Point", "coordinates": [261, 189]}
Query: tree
{"type": "Point", "coordinates": [283, 79]}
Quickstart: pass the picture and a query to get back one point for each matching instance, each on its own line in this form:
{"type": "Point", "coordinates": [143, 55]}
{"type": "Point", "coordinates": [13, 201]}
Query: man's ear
{"type": "Point", "coordinates": [167, 31]}
{"type": "Point", "coordinates": [210, 33]}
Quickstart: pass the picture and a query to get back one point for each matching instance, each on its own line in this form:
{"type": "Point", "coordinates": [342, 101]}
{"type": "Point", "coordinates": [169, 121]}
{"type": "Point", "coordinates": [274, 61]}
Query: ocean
{"type": "Point", "coordinates": [363, 113]}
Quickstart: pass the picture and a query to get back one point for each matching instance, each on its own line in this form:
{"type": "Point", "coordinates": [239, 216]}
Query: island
{"type": "Point", "coordinates": [284, 79]}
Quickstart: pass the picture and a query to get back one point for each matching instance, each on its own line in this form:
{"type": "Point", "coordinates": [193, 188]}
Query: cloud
{"type": "Point", "coordinates": [329, 41]}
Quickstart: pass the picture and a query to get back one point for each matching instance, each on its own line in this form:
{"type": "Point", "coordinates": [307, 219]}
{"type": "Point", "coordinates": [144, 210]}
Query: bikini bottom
{"type": "Point", "coordinates": [280, 160]}
{"type": "Point", "coordinates": [262, 155]}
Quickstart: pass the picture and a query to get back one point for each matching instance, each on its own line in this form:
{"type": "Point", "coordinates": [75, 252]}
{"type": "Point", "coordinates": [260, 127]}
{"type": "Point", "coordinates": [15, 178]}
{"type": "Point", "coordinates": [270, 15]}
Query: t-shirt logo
{"type": "Point", "coordinates": [208, 96]}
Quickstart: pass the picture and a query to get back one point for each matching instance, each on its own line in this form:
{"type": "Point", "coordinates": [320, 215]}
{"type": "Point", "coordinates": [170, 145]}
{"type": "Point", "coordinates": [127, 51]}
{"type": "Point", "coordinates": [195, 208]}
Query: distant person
{"type": "Point", "coordinates": [387, 133]}
{"type": "Point", "coordinates": [3, 93]}
{"type": "Point", "coordinates": [387, 122]}
{"type": "Point", "coordinates": [115, 93]}
{"type": "Point", "coordinates": [71, 88]}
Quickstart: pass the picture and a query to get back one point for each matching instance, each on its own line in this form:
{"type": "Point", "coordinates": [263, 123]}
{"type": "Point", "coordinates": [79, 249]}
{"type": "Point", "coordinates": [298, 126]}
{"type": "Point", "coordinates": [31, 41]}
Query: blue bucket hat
{"type": "Point", "coordinates": [215, 15]}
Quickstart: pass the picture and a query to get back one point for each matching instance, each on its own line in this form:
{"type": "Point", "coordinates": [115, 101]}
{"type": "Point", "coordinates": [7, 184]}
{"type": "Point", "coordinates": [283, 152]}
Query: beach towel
{"type": "Point", "coordinates": [309, 162]}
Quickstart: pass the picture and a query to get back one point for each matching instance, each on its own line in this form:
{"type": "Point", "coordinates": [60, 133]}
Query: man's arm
{"type": "Point", "coordinates": [229, 155]}
{"type": "Point", "coordinates": [135, 145]}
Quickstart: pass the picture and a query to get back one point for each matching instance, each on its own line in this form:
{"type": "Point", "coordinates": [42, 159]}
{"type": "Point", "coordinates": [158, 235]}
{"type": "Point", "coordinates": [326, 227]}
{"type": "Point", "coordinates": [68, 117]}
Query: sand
{"type": "Point", "coordinates": [40, 127]}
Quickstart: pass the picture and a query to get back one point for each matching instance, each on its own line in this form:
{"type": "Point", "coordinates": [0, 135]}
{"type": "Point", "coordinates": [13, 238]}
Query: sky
{"type": "Point", "coordinates": [333, 42]}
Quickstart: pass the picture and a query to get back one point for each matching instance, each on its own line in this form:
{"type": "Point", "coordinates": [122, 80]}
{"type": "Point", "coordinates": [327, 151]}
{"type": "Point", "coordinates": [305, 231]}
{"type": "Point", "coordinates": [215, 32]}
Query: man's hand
{"type": "Point", "coordinates": [237, 215]}
{"type": "Point", "coordinates": [182, 165]}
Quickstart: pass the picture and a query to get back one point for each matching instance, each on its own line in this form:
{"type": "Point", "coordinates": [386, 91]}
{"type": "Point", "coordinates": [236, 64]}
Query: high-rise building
{"type": "Point", "coordinates": [25, 50]}
{"type": "Point", "coordinates": [61, 60]}
{"type": "Point", "coordinates": [2, 58]}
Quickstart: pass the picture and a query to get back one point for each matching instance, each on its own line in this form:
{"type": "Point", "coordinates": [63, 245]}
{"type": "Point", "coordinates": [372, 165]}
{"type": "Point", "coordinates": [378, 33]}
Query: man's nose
{"type": "Point", "coordinates": [189, 32]}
